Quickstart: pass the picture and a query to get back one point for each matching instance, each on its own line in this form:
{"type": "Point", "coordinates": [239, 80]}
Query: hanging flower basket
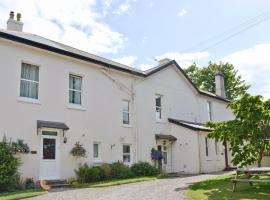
{"type": "Point", "coordinates": [20, 147]}
{"type": "Point", "coordinates": [78, 150]}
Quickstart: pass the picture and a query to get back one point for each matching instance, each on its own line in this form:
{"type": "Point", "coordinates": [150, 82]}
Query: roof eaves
{"type": "Point", "coordinates": [67, 53]}
{"type": "Point", "coordinates": [186, 76]}
{"type": "Point", "coordinates": [178, 122]}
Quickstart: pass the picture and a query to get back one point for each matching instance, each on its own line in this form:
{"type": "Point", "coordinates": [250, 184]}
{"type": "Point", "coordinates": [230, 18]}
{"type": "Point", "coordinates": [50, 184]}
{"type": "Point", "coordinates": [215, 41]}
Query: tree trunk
{"type": "Point", "coordinates": [260, 157]}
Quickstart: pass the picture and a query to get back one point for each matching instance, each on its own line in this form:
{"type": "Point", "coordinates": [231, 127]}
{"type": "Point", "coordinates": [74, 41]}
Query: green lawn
{"type": "Point", "coordinates": [116, 182]}
{"type": "Point", "coordinates": [21, 194]}
{"type": "Point", "coordinates": [221, 189]}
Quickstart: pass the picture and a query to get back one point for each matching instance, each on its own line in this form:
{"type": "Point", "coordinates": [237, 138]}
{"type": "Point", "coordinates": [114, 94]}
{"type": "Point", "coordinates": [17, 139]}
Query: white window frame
{"type": "Point", "coordinates": [130, 148]}
{"type": "Point", "coordinates": [97, 159]}
{"type": "Point", "coordinates": [128, 112]}
{"type": "Point", "coordinates": [80, 91]}
{"type": "Point", "coordinates": [209, 111]}
{"type": "Point", "coordinates": [160, 116]}
{"type": "Point", "coordinates": [30, 99]}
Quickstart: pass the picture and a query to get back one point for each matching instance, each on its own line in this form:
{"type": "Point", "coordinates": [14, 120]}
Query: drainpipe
{"type": "Point", "coordinates": [199, 152]}
{"type": "Point", "coordinates": [135, 123]}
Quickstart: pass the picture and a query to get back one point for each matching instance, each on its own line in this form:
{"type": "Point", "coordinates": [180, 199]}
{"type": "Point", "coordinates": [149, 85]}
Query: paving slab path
{"type": "Point", "coordinates": [161, 189]}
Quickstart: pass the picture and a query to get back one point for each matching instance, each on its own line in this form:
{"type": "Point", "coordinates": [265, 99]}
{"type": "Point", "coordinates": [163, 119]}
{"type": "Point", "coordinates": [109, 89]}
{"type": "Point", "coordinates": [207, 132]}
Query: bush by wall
{"type": "Point", "coordinates": [144, 169]}
{"type": "Point", "coordinates": [119, 171]}
{"type": "Point", "coordinates": [107, 170]}
{"type": "Point", "coordinates": [9, 176]}
{"type": "Point", "coordinates": [88, 174]}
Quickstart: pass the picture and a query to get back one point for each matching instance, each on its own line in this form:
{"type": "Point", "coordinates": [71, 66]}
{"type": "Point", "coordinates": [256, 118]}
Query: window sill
{"type": "Point", "coordinates": [126, 126]}
{"type": "Point", "coordinates": [76, 107]}
{"type": "Point", "coordinates": [28, 100]}
{"type": "Point", "coordinates": [97, 161]}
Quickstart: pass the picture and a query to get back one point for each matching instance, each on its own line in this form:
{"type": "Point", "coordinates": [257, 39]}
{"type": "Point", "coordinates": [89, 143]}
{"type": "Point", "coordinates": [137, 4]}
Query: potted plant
{"type": "Point", "coordinates": [78, 150]}
{"type": "Point", "coordinates": [29, 183]}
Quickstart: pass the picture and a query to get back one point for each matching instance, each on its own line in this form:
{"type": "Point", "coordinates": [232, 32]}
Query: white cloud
{"type": "Point", "coordinates": [71, 22]}
{"type": "Point", "coordinates": [146, 66]}
{"type": "Point", "coordinates": [185, 59]}
{"type": "Point", "coordinates": [123, 7]}
{"type": "Point", "coordinates": [128, 60]}
{"type": "Point", "coordinates": [182, 12]}
{"type": "Point", "coordinates": [254, 66]}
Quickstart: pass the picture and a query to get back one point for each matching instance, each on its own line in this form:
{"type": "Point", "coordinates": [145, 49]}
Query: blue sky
{"type": "Point", "coordinates": [136, 32]}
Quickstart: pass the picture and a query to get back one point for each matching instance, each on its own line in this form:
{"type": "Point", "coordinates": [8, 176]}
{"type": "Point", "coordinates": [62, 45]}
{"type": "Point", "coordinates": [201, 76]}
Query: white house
{"type": "Point", "coordinates": [53, 96]}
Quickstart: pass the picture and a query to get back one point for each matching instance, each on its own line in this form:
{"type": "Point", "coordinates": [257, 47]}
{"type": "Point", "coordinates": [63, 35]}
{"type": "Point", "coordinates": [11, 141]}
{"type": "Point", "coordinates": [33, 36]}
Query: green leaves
{"type": "Point", "coordinates": [204, 78]}
{"type": "Point", "coordinates": [9, 176]}
{"type": "Point", "coordinates": [249, 133]}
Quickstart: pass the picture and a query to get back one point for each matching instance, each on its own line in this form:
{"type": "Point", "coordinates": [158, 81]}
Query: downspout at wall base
{"type": "Point", "coordinates": [199, 152]}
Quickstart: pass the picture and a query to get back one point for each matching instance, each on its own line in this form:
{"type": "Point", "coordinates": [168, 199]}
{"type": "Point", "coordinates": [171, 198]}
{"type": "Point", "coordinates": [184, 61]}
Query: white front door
{"type": "Point", "coordinates": [49, 155]}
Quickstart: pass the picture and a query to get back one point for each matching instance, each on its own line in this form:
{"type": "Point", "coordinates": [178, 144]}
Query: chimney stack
{"type": "Point", "coordinates": [164, 60]}
{"type": "Point", "coordinates": [220, 86]}
{"type": "Point", "coordinates": [14, 25]}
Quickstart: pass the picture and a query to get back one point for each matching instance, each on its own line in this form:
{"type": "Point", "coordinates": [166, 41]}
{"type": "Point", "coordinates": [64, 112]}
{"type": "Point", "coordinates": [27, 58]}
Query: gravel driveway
{"type": "Point", "coordinates": [162, 189]}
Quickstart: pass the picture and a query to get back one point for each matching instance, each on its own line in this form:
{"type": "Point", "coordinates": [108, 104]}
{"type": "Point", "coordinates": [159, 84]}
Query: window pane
{"type": "Point", "coordinates": [164, 157]}
{"type": "Point", "coordinates": [125, 118]}
{"type": "Point", "coordinates": [126, 158]}
{"type": "Point", "coordinates": [29, 83]}
{"type": "Point", "coordinates": [30, 72]}
{"type": "Point", "coordinates": [29, 89]}
{"type": "Point", "coordinates": [158, 113]}
{"type": "Point", "coordinates": [48, 149]}
{"type": "Point", "coordinates": [158, 101]}
{"type": "Point", "coordinates": [95, 150]}
{"type": "Point", "coordinates": [125, 106]}
{"type": "Point", "coordinates": [75, 82]}
{"type": "Point", "coordinates": [74, 97]}
{"type": "Point", "coordinates": [126, 149]}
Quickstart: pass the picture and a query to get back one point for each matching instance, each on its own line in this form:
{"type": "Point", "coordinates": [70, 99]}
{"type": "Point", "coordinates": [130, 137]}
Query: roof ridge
{"type": "Point", "coordinates": [66, 50]}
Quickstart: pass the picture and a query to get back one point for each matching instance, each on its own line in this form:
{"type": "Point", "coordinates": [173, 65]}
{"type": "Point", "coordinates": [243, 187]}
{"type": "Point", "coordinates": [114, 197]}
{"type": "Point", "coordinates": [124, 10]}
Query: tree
{"type": "Point", "coordinates": [249, 133]}
{"type": "Point", "coordinates": [204, 78]}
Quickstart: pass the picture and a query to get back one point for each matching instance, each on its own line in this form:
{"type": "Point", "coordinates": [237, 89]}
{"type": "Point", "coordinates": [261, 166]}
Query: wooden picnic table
{"type": "Point", "coordinates": [251, 175]}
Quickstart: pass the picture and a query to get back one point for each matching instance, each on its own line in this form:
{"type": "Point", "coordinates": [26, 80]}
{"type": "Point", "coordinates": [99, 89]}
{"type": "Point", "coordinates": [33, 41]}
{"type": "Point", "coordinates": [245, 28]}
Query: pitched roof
{"type": "Point", "coordinates": [56, 47]}
{"type": "Point", "coordinates": [190, 125]}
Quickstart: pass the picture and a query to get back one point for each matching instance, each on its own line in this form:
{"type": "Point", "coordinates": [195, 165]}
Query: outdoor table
{"type": "Point", "coordinates": [251, 175]}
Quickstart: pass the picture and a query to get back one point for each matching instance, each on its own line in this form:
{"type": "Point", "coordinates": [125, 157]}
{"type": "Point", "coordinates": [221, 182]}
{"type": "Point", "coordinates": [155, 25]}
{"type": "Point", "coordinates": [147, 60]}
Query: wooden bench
{"type": "Point", "coordinates": [250, 181]}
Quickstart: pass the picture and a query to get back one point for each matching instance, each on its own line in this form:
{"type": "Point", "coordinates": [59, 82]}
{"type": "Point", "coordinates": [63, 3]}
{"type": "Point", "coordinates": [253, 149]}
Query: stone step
{"type": "Point", "coordinates": [51, 184]}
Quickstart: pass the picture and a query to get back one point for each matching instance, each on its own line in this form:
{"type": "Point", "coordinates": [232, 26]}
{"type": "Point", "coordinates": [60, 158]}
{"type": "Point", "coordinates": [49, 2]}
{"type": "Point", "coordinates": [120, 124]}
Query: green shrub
{"type": "Point", "coordinates": [82, 173]}
{"type": "Point", "coordinates": [120, 171]}
{"type": "Point", "coordinates": [87, 174]}
{"type": "Point", "coordinates": [144, 169]}
{"type": "Point", "coordinates": [9, 176]}
{"type": "Point", "coordinates": [107, 170]}
{"type": "Point", "coordinates": [95, 174]}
